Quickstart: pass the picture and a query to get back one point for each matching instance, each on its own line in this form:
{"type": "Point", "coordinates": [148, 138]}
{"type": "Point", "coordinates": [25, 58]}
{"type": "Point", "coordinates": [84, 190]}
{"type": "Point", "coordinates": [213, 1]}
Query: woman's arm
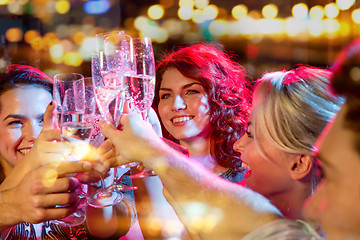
{"type": "Point", "coordinates": [208, 206]}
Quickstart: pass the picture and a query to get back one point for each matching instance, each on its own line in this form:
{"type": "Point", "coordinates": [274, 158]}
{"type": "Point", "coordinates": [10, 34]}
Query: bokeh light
{"type": "Point", "coordinates": [15, 7]}
{"type": "Point", "coordinates": [317, 12]}
{"type": "Point", "coordinates": [97, 6]}
{"type": "Point", "coordinates": [5, 2]}
{"type": "Point", "coordinates": [300, 10]}
{"type": "Point", "coordinates": [331, 25]}
{"type": "Point", "coordinates": [37, 43]}
{"type": "Point", "coordinates": [211, 12]}
{"type": "Point", "coordinates": [198, 16]}
{"type": "Point", "coordinates": [218, 27]}
{"type": "Point", "coordinates": [185, 13]}
{"type": "Point", "coordinates": [14, 34]}
{"type": "Point", "coordinates": [345, 4]}
{"type": "Point", "coordinates": [201, 3]}
{"type": "Point", "coordinates": [331, 10]}
{"type": "Point", "coordinates": [156, 11]}
{"type": "Point", "coordinates": [72, 59]}
{"type": "Point", "coordinates": [186, 3]}
{"type": "Point", "coordinates": [30, 35]}
{"type": "Point", "coordinates": [270, 11]}
{"type": "Point", "coordinates": [63, 6]}
{"type": "Point", "coordinates": [355, 16]}
{"type": "Point", "coordinates": [239, 11]}
{"type": "Point", "coordinates": [79, 37]}
{"type": "Point", "coordinates": [315, 27]}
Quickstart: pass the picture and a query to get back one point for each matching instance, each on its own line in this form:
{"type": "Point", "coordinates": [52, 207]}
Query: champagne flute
{"type": "Point", "coordinates": [117, 60]}
{"type": "Point", "coordinates": [68, 93]}
{"type": "Point", "coordinates": [63, 82]}
{"type": "Point", "coordinates": [104, 195]}
{"type": "Point", "coordinates": [140, 83]}
{"type": "Point", "coordinates": [108, 88]}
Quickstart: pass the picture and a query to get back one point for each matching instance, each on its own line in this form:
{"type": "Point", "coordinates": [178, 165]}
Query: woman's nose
{"type": "Point", "coordinates": [179, 104]}
{"type": "Point", "coordinates": [31, 132]}
{"type": "Point", "coordinates": [239, 145]}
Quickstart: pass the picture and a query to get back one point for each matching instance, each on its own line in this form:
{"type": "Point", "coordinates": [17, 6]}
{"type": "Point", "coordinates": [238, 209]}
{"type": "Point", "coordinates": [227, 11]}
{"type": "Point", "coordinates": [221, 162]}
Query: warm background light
{"type": "Point", "coordinates": [156, 12]}
{"type": "Point", "coordinates": [270, 11]}
{"type": "Point", "coordinates": [14, 34]}
{"type": "Point", "coordinates": [239, 11]}
{"type": "Point", "coordinates": [317, 12]}
{"type": "Point", "coordinates": [345, 4]}
{"type": "Point", "coordinates": [62, 6]}
{"type": "Point", "coordinates": [300, 10]}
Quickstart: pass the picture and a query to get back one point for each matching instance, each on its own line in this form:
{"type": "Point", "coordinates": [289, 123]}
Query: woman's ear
{"type": "Point", "coordinates": [301, 166]}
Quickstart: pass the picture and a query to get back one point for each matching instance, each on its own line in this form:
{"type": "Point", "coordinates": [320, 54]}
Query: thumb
{"type": "Point", "coordinates": [108, 129]}
{"type": "Point", "coordinates": [49, 116]}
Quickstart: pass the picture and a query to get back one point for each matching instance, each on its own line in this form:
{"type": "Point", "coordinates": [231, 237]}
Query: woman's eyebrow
{"type": "Point", "coordinates": [18, 116]}
{"type": "Point", "coordinates": [21, 116]}
{"type": "Point", "coordinates": [185, 86]}
{"type": "Point", "coordinates": [165, 89]}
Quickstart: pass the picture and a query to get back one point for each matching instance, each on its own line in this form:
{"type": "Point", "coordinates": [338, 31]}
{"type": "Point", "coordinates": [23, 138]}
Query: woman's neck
{"type": "Point", "coordinates": [199, 150]}
{"type": "Point", "coordinates": [290, 202]}
{"type": "Point", "coordinates": [197, 147]}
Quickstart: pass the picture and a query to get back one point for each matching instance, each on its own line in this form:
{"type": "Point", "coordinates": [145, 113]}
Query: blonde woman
{"type": "Point", "coordinates": [290, 110]}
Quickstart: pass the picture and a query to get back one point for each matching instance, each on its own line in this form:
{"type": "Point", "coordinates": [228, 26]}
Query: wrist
{"type": "Point", "coordinates": [9, 214]}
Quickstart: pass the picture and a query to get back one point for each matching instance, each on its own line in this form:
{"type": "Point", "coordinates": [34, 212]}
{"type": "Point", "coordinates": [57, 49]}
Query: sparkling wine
{"type": "Point", "coordinates": [78, 130]}
{"type": "Point", "coordinates": [140, 88]}
{"type": "Point", "coordinates": [104, 97]}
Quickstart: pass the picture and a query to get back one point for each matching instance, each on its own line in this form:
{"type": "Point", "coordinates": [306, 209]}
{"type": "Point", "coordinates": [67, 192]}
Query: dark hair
{"type": "Point", "coordinates": [346, 82]}
{"type": "Point", "coordinates": [225, 82]}
{"type": "Point", "coordinates": [19, 75]}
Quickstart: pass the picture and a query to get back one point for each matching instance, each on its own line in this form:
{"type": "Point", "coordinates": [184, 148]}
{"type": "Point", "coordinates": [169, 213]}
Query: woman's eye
{"type": "Point", "coordinates": [192, 92]}
{"type": "Point", "coordinates": [15, 124]}
{"type": "Point", "coordinates": [248, 133]}
{"type": "Point", "coordinates": [164, 96]}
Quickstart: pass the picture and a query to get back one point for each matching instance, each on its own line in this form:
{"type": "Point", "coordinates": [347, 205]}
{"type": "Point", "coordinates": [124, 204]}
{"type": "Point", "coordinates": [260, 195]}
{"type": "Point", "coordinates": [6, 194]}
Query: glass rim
{"type": "Point", "coordinates": [107, 33]}
{"type": "Point", "coordinates": [67, 78]}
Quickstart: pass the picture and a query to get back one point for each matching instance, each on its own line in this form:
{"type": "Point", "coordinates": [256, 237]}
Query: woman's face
{"type": "Point", "coordinates": [183, 106]}
{"type": "Point", "coordinates": [336, 202]}
{"type": "Point", "coordinates": [21, 120]}
{"type": "Point", "coordinates": [268, 167]}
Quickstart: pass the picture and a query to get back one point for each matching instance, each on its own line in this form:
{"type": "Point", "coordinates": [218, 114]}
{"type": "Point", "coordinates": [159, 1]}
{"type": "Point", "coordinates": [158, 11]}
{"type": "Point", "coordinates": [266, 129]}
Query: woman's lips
{"type": "Point", "coordinates": [181, 119]}
{"type": "Point", "coordinates": [24, 151]}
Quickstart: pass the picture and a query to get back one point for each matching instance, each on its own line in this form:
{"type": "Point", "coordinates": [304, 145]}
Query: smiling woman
{"type": "Point", "coordinates": [290, 110]}
{"type": "Point", "coordinates": [202, 98]}
{"type": "Point", "coordinates": [25, 93]}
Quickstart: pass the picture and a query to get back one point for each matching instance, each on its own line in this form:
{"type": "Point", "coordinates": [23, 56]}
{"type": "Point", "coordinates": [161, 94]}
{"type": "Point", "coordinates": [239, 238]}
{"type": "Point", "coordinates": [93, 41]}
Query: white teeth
{"type": "Point", "coordinates": [24, 151]}
{"type": "Point", "coordinates": [245, 165]}
{"type": "Point", "coordinates": [181, 119]}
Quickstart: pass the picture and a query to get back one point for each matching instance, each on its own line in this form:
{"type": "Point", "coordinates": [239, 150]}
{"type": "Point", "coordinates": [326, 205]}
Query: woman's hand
{"type": "Point", "coordinates": [134, 143]}
{"type": "Point", "coordinates": [36, 197]}
{"type": "Point", "coordinates": [48, 147]}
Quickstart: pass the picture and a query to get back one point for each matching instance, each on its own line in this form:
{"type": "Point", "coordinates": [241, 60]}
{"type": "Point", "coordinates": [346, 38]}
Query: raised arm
{"type": "Point", "coordinates": [227, 210]}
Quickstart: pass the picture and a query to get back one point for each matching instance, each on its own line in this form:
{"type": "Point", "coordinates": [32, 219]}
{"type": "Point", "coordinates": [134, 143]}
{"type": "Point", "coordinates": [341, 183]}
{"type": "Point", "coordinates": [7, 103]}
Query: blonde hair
{"type": "Point", "coordinates": [293, 107]}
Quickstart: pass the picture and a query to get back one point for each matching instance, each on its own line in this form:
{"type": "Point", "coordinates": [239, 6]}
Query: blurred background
{"type": "Point", "coordinates": [264, 35]}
